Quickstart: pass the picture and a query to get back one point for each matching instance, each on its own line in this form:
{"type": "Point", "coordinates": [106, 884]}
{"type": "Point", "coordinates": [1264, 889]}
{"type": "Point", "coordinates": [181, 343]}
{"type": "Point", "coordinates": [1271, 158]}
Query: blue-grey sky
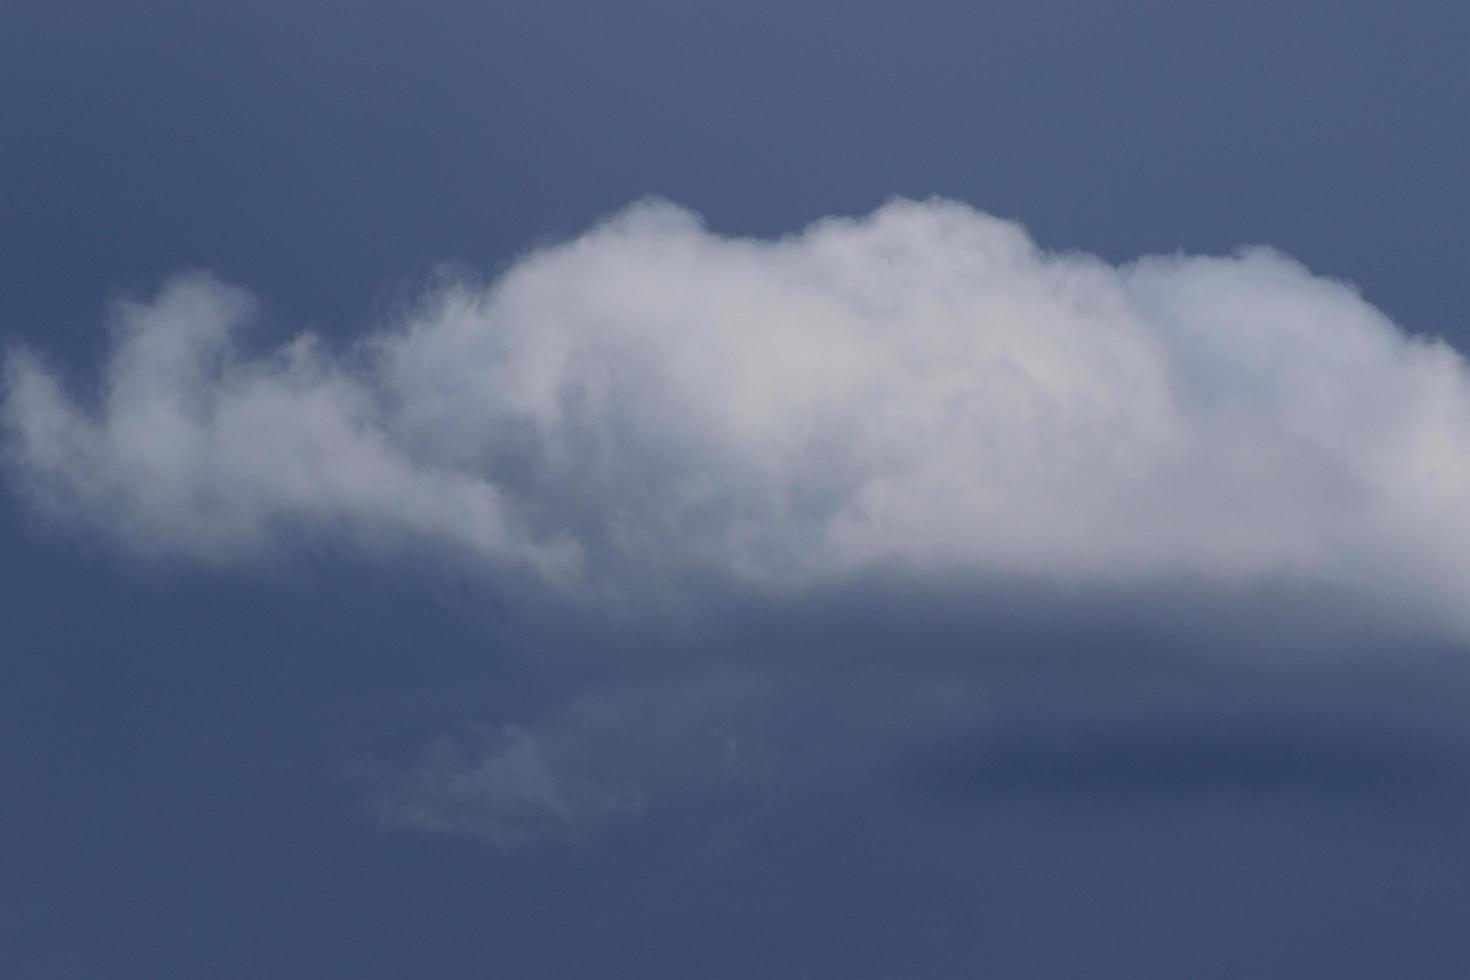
{"type": "Point", "coordinates": [685, 589]}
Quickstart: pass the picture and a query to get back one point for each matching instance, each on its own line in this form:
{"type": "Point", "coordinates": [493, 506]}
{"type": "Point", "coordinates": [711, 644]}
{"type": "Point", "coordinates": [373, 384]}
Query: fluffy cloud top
{"type": "Point", "coordinates": [920, 392]}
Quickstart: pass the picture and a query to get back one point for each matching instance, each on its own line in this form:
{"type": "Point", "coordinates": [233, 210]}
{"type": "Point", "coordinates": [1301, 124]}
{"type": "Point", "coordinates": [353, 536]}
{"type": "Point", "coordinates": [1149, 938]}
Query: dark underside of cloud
{"type": "Point", "coordinates": [1036, 701]}
{"type": "Point", "coordinates": [864, 786]}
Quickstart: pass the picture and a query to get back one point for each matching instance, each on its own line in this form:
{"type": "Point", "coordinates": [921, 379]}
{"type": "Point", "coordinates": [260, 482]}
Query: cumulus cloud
{"type": "Point", "coordinates": [919, 392]}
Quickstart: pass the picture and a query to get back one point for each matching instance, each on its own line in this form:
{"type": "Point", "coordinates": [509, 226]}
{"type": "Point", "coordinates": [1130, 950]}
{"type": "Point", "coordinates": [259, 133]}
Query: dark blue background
{"type": "Point", "coordinates": [182, 753]}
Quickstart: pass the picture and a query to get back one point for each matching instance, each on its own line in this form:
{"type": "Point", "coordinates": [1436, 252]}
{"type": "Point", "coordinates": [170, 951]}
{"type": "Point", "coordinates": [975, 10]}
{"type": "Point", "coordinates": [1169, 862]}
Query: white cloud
{"type": "Point", "coordinates": [921, 391]}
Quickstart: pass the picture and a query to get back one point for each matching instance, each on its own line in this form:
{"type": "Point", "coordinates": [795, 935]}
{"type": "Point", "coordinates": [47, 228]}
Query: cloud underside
{"type": "Point", "coordinates": [918, 393]}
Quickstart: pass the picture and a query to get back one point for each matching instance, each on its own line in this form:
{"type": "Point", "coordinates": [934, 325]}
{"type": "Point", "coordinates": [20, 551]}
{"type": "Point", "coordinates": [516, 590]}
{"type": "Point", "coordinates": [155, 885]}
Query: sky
{"type": "Point", "coordinates": [683, 489]}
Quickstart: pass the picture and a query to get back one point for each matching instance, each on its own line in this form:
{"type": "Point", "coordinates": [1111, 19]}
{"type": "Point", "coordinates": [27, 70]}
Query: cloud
{"type": "Point", "coordinates": [922, 393]}
{"type": "Point", "coordinates": [502, 790]}
{"type": "Point", "coordinates": [763, 728]}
